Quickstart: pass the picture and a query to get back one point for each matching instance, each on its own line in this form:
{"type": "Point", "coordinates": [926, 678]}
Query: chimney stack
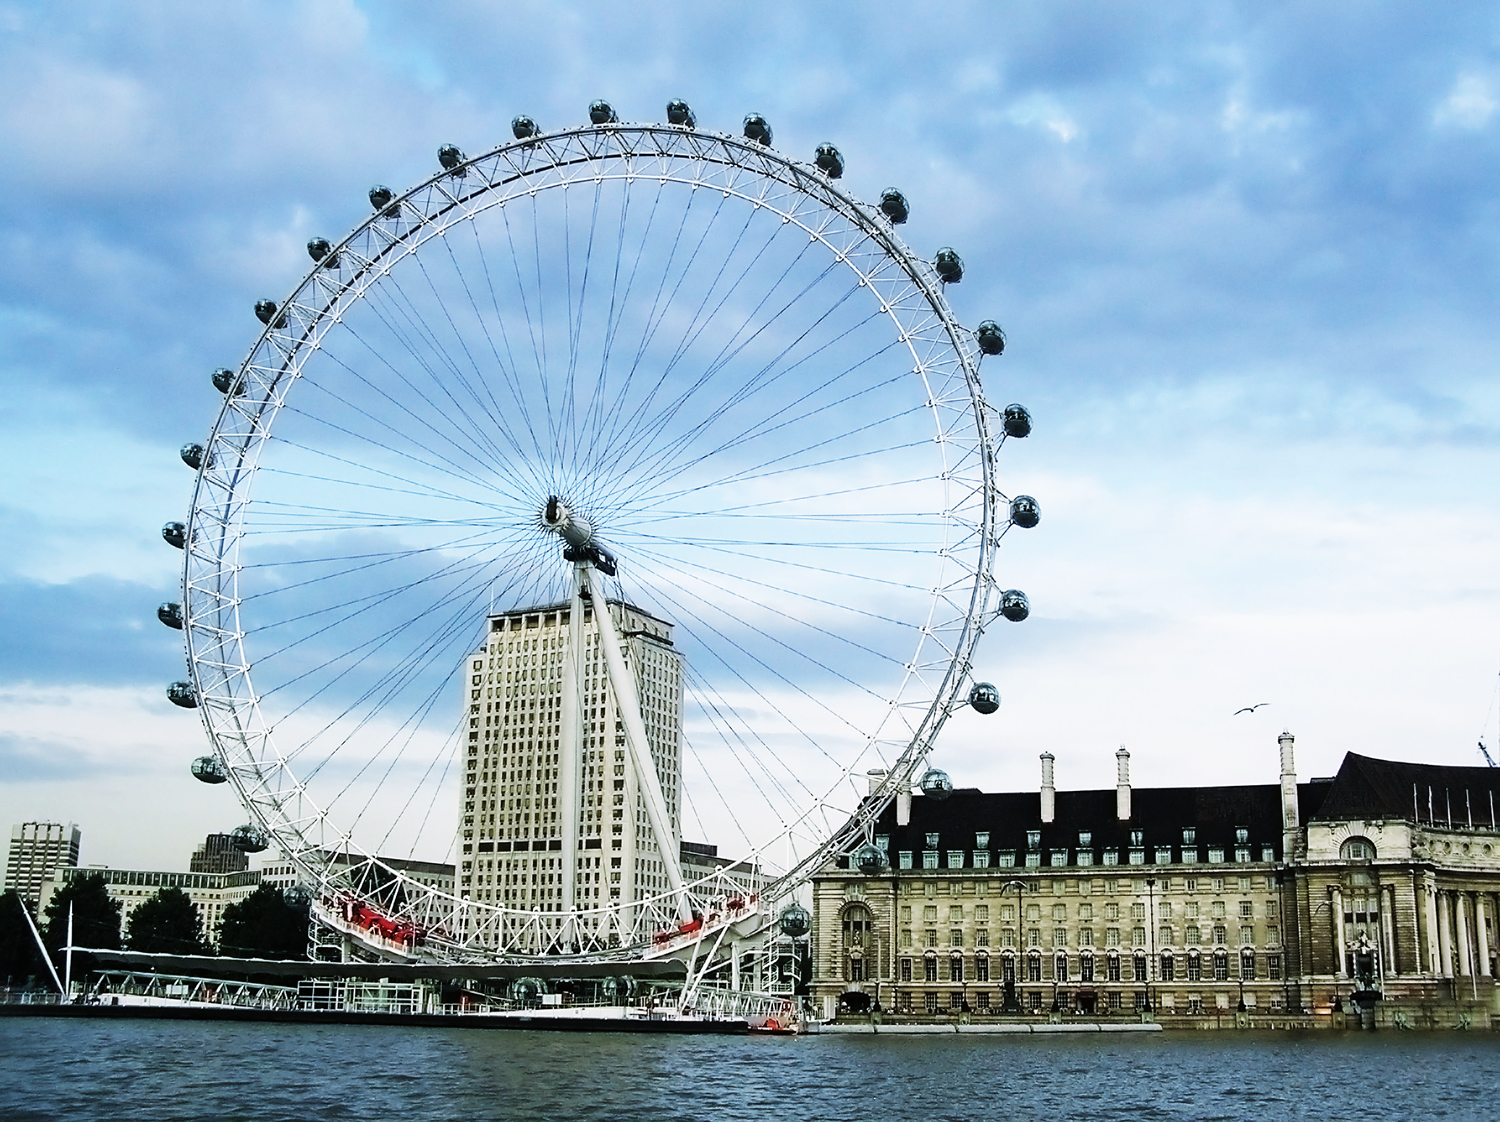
{"type": "Point", "coordinates": [1289, 817]}
{"type": "Point", "coordinates": [903, 807]}
{"type": "Point", "coordinates": [876, 778]}
{"type": "Point", "coordinates": [1049, 793]}
{"type": "Point", "coordinates": [1122, 784]}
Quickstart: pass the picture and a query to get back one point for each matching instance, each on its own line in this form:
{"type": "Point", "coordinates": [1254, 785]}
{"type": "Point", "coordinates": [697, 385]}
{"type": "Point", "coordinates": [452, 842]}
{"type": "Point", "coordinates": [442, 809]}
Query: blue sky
{"type": "Point", "coordinates": [1245, 256]}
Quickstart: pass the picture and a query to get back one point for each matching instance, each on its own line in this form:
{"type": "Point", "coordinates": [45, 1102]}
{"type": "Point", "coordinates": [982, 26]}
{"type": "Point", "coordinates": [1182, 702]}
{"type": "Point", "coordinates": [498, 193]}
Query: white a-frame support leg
{"type": "Point", "coordinates": [629, 702]}
{"type": "Point", "coordinates": [570, 762]}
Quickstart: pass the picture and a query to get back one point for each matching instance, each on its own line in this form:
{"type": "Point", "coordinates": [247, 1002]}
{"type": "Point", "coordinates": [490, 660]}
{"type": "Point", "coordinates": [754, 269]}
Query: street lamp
{"type": "Point", "coordinates": [1150, 940]}
{"type": "Point", "coordinates": [1014, 1004]}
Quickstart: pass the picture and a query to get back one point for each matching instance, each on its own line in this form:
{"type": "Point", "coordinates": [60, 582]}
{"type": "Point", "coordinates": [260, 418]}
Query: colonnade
{"type": "Point", "coordinates": [1459, 927]}
{"type": "Point", "coordinates": [1465, 925]}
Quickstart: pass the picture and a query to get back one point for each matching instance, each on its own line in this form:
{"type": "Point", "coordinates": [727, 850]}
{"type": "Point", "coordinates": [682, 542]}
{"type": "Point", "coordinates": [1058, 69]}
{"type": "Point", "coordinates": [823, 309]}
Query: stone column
{"type": "Point", "coordinates": [1481, 937]}
{"type": "Point", "coordinates": [1429, 911]}
{"type": "Point", "coordinates": [1336, 902]}
{"type": "Point", "coordinates": [1445, 936]}
{"type": "Point", "coordinates": [1465, 932]}
{"type": "Point", "coordinates": [1387, 930]}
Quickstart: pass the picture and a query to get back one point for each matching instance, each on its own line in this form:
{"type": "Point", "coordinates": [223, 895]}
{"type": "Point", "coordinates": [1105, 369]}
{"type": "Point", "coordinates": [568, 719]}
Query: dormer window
{"type": "Point", "coordinates": [1242, 835]}
{"type": "Point", "coordinates": [1137, 837]}
{"type": "Point", "coordinates": [1189, 835]}
{"type": "Point", "coordinates": [1033, 839]}
{"type": "Point", "coordinates": [932, 841]}
{"type": "Point", "coordinates": [1085, 838]}
{"type": "Point", "coordinates": [982, 840]}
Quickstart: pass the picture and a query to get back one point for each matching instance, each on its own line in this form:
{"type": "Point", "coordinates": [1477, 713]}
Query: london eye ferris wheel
{"type": "Point", "coordinates": [644, 367]}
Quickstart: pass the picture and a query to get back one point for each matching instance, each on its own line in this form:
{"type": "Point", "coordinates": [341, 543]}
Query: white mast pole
{"type": "Point", "coordinates": [41, 946]}
{"type": "Point", "coordinates": [68, 961]}
{"type": "Point", "coordinates": [569, 768]}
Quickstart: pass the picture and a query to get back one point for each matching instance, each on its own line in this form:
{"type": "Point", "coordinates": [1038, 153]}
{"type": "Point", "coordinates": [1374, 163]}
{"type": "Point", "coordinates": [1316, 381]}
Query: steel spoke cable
{"type": "Point", "coordinates": [509, 366]}
{"type": "Point", "coordinates": [694, 574]}
{"type": "Point", "coordinates": [439, 462]}
{"type": "Point", "coordinates": [405, 307]}
{"type": "Point", "coordinates": [661, 306]}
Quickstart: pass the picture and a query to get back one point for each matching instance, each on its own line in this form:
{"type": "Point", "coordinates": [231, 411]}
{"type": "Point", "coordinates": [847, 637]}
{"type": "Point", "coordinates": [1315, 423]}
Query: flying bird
{"type": "Point", "coordinates": [1250, 708]}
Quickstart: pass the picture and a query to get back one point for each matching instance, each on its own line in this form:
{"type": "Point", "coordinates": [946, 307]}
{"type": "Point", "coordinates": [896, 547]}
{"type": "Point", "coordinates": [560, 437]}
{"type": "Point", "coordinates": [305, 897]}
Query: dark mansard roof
{"type": "Point", "coordinates": [1159, 813]}
{"type": "Point", "coordinates": [1375, 789]}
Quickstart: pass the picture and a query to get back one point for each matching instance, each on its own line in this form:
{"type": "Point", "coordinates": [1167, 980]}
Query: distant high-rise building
{"type": "Point", "coordinates": [512, 811]}
{"type": "Point", "coordinates": [218, 854]}
{"type": "Point", "coordinates": [37, 851]}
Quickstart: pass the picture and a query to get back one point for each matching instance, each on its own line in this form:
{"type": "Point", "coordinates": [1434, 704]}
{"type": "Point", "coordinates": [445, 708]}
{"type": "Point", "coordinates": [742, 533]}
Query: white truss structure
{"type": "Point", "coordinates": [415, 921]}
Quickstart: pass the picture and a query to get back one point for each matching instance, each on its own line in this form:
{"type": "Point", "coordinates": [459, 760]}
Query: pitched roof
{"type": "Point", "coordinates": [1160, 814]}
{"type": "Point", "coordinates": [1369, 788]}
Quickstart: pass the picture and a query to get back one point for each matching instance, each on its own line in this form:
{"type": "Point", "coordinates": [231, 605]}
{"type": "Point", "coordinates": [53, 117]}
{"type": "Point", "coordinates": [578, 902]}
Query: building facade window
{"type": "Point", "coordinates": [1060, 968]}
{"type": "Point", "coordinates": [930, 969]}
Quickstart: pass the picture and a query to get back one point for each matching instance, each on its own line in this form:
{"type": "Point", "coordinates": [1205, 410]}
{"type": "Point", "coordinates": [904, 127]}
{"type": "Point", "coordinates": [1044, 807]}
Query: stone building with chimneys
{"type": "Point", "coordinates": [1368, 898]}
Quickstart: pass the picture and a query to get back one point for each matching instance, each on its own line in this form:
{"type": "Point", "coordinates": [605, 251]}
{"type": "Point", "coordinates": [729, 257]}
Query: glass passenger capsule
{"type": "Point", "coordinates": [318, 249]}
{"type": "Point", "coordinates": [296, 895]}
{"type": "Point", "coordinates": [174, 534]}
{"type": "Point", "coordinates": [192, 455]}
{"type": "Point", "coordinates": [678, 113]}
{"type": "Point", "coordinates": [381, 196]}
{"type": "Point", "coordinates": [949, 265]}
{"type": "Point", "coordinates": [1017, 421]}
{"type": "Point", "coordinates": [170, 614]}
{"type": "Point", "coordinates": [450, 157]}
{"type": "Point", "coordinates": [248, 838]}
{"type": "Point", "coordinates": [523, 127]}
{"type": "Point", "coordinates": [984, 697]}
{"type": "Point", "coordinates": [795, 921]}
{"type": "Point", "coordinates": [265, 311]}
{"type": "Point", "coordinates": [935, 783]}
{"type": "Point", "coordinates": [207, 769]}
{"type": "Point", "coordinates": [1013, 605]}
{"type": "Point", "coordinates": [990, 338]}
{"type": "Point", "coordinates": [225, 381]}
{"type": "Point", "coordinates": [893, 206]}
{"type": "Point", "coordinates": [603, 113]}
{"type": "Point", "coordinates": [757, 129]}
{"type": "Point", "coordinates": [183, 694]}
{"type": "Point", "coordinates": [1025, 512]}
{"type": "Point", "coordinates": [868, 860]}
{"type": "Point", "coordinates": [829, 160]}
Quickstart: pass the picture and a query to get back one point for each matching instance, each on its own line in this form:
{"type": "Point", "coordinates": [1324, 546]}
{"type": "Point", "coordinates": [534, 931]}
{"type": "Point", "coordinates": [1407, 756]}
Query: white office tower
{"type": "Point", "coordinates": [517, 811]}
{"type": "Point", "coordinates": [37, 851]}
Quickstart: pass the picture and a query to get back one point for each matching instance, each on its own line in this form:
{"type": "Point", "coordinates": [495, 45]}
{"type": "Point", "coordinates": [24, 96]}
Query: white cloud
{"type": "Point", "coordinates": [1469, 105]}
{"type": "Point", "coordinates": [1045, 112]}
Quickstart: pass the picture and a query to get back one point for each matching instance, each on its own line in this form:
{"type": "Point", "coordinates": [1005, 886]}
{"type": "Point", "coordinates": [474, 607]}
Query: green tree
{"type": "Point", "coordinates": [264, 925]}
{"type": "Point", "coordinates": [96, 917]}
{"type": "Point", "coordinates": [19, 957]}
{"type": "Point", "coordinates": [166, 923]}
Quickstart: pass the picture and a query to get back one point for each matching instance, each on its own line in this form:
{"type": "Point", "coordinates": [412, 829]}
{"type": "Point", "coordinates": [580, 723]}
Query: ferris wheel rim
{"type": "Point", "coordinates": [705, 147]}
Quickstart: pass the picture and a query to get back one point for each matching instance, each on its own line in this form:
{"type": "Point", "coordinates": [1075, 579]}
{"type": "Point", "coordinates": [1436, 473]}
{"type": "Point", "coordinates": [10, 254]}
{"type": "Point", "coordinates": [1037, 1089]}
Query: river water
{"type": "Point", "coordinates": [177, 1070]}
